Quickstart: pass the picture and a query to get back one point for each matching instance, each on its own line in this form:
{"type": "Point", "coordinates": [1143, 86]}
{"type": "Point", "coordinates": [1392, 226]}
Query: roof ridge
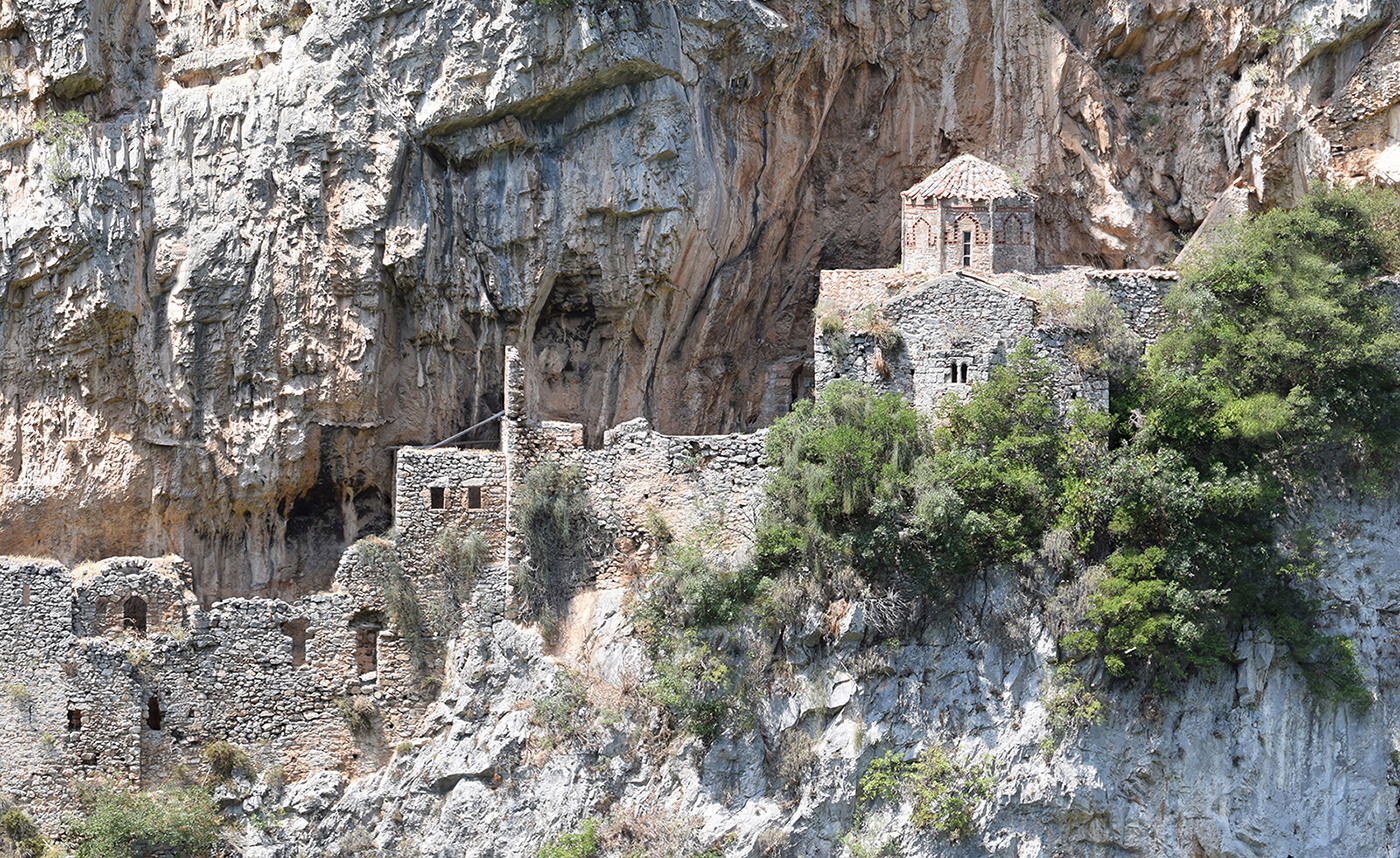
{"type": "Point", "coordinates": [968, 177]}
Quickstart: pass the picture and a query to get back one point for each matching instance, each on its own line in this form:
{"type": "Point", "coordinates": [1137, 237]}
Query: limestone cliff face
{"type": "Point", "coordinates": [292, 237]}
{"type": "Point", "coordinates": [1244, 764]}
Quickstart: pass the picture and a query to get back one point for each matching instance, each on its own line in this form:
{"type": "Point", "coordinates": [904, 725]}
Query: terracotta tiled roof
{"type": "Point", "coordinates": [965, 176]}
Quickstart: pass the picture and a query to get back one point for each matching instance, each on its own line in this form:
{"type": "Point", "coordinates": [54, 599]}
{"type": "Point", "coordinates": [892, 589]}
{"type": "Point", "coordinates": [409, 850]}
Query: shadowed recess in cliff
{"type": "Point", "coordinates": [567, 375]}
{"type": "Point", "coordinates": [553, 104]}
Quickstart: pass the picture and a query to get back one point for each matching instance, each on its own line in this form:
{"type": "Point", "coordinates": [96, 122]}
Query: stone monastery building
{"type": "Point", "coordinates": [116, 669]}
{"type": "Point", "coordinates": [968, 214]}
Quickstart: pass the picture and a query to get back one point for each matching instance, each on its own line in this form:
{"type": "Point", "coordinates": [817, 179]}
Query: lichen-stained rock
{"type": "Point", "coordinates": [294, 236]}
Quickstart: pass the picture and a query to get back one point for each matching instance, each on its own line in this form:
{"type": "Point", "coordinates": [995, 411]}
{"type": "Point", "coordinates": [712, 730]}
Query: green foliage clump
{"type": "Point", "coordinates": [1281, 343]}
{"type": "Point", "coordinates": [1107, 343]}
{"type": "Point", "coordinates": [583, 843]}
{"type": "Point", "coordinates": [551, 513]}
{"type": "Point", "coordinates": [226, 759]}
{"type": "Point", "coordinates": [61, 131]}
{"type": "Point", "coordinates": [698, 583]}
{"type": "Point", "coordinates": [860, 481]}
{"type": "Point", "coordinates": [693, 683]}
{"type": "Point", "coordinates": [942, 787]}
{"type": "Point", "coordinates": [842, 470]}
{"type": "Point", "coordinates": [458, 556]}
{"type": "Point", "coordinates": [19, 836]}
{"type": "Point", "coordinates": [116, 823]}
{"type": "Point", "coordinates": [1070, 703]}
{"type": "Point", "coordinates": [560, 715]}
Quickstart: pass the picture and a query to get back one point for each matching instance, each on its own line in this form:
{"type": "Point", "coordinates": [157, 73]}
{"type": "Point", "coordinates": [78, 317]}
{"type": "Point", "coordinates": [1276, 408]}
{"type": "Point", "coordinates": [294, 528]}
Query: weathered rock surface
{"type": "Point", "coordinates": [292, 237]}
{"type": "Point", "coordinates": [1246, 763]}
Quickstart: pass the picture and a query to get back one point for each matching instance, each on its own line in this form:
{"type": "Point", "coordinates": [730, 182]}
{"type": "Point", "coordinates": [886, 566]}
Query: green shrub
{"type": "Point", "coordinates": [657, 528]}
{"type": "Point", "coordinates": [858, 481]}
{"type": "Point", "coordinates": [380, 556]}
{"type": "Point", "coordinates": [697, 582]}
{"type": "Point", "coordinates": [944, 788]}
{"type": "Point", "coordinates": [1108, 343]}
{"type": "Point", "coordinates": [459, 557]}
{"type": "Point", "coordinates": [19, 836]}
{"type": "Point", "coordinates": [551, 513]}
{"type": "Point", "coordinates": [116, 823]}
{"type": "Point", "coordinates": [1070, 703]}
{"type": "Point", "coordinates": [560, 715]}
{"type": "Point", "coordinates": [693, 683]}
{"type": "Point", "coordinates": [1281, 343]}
{"type": "Point", "coordinates": [226, 759]}
{"type": "Point", "coordinates": [61, 131]}
{"type": "Point", "coordinates": [583, 843]}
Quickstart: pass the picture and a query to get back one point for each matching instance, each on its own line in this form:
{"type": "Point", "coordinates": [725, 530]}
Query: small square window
{"type": "Point", "coordinates": [473, 497]}
{"type": "Point", "coordinates": [437, 497]}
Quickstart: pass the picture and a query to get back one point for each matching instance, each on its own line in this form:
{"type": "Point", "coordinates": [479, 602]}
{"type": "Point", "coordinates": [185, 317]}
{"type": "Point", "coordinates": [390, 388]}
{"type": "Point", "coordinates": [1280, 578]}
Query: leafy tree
{"type": "Point", "coordinates": [1282, 341]}
{"type": "Point", "coordinates": [183, 823]}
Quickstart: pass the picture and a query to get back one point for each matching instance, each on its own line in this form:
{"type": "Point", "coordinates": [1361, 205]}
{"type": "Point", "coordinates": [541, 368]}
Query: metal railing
{"type": "Point", "coordinates": [445, 441]}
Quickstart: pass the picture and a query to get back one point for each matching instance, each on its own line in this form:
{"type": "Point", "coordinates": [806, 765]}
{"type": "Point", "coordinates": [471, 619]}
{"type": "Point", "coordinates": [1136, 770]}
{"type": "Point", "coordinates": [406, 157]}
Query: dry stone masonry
{"type": "Point", "coordinates": [114, 670]}
{"type": "Point", "coordinates": [689, 481]}
{"type": "Point", "coordinates": [949, 331]}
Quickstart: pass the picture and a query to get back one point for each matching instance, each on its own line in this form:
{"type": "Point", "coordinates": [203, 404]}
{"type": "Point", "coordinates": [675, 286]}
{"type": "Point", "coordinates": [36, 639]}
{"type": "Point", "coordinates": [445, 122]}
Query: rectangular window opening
{"type": "Point", "coordinates": [967, 248]}
{"type": "Point", "coordinates": [437, 497]}
{"type": "Point", "coordinates": [473, 497]}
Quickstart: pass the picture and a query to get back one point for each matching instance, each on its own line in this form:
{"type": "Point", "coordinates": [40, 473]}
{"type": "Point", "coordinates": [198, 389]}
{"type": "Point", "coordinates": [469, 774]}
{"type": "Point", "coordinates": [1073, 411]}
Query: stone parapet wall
{"type": "Point", "coordinates": [1140, 294]}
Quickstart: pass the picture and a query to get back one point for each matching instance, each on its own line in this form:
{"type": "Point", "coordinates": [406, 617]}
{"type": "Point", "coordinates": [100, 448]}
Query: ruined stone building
{"type": "Point", "coordinates": [926, 336]}
{"type": "Point", "coordinates": [113, 670]}
{"type": "Point", "coordinates": [968, 214]}
{"type": "Point", "coordinates": [686, 480]}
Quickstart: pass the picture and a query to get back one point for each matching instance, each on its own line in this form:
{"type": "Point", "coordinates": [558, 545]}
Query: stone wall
{"type": "Point", "coordinates": [467, 488]}
{"type": "Point", "coordinates": [1140, 294]}
{"type": "Point", "coordinates": [690, 481]}
{"type": "Point", "coordinates": [90, 694]}
{"type": "Point", "coordinates": [953, 330]}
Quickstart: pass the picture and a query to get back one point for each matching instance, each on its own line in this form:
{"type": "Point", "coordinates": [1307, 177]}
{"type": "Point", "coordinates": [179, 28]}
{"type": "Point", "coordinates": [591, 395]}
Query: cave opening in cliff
{"type": "Point", "coordinates": [134, 614]}
{"type": "Point", "coordinates": [297, 630]}
{"type": "Point", "coordinates": [566, 349]}
{"type": "Point", "coordinates": [314, 537]}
